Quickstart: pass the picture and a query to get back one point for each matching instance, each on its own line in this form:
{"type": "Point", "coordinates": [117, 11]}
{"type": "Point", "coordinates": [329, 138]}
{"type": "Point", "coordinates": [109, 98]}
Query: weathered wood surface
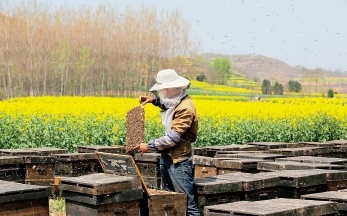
{"type": "Point", "coordinates": [238, 164]}
{"type": "Point", "coordinates": [298, 178]}
{"type": "Point", "coordinates": [75, 156]}
{"type": "Point", "coordinates": [292, 165]}
{"type": "Point", "coordinates": [230, 154]}
{"type": "Point", "coordinates": [7, 160]}
{"type": "Point", "coordinates": [11, 191]}
{"type": "Point", "coordinates": [251, 181]}
{"type": "Point", "coordinates": [34, 206]}
{"type": "Point", "coordinates": [212, 150]}
{"type": "Point", "coordinates": [99, 183]}
{"type": "Point", "coordinates": [39, 171]}
{"type": "Point", "coordinates": [318, 144]}
{"type": "Point", "coordinates": [147, 157]}
{"type": "Point", "coordinates": [304, 151]}
{"type": "Point", "coordinates": [160, 203]}
{"type": "Point", "coordinates": [263, 156]}
{"type": "Point", "coordinates": [148, 169]}
{"type": "Point", "coordinates": [200, 151]}
{"type": "Point", "coordinates": [76, 168]}
{"type": "Point", "coordinates": [117, 149]}
{"type": "Point", "coordinates": [312, 159]}
{"type": "Point", "coordinates": [120, 165]}
{"type": "Point", "coordinates": [268, 145]}
{"type": "Point", "coordinates": [46, 151]}
{"type": "Point", "coordinates": [19, 152]}
{"type": "Point", "coordinates": [201, 171]}
{"type": "Point", "coordinates": [216, 185]}
{"type": "Point", "coordinates": [121, 196]}
{"type": "Point", "coordinates": [129, 208]}
{"type": "Point", "coordinates": [273, 207]}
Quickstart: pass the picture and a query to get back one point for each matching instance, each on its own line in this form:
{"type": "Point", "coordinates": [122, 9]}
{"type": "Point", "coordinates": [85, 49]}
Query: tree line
{"type": "Point", "coordinates": [89, 51]}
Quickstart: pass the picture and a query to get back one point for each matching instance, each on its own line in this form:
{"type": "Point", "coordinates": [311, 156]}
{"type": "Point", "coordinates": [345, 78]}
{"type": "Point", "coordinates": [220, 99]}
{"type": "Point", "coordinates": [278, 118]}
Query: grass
{"type": "Point", "coordinates": [57, 207]}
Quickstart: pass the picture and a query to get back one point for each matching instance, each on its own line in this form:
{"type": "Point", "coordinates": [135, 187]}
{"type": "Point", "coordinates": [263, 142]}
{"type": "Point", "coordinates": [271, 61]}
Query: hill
{"type": "Point", "coordinates": [258, 68]}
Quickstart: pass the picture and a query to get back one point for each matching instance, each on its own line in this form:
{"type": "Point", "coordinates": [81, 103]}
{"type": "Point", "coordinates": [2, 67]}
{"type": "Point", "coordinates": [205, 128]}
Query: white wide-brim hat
{"type": "Point", "coordinates": [168, 78]}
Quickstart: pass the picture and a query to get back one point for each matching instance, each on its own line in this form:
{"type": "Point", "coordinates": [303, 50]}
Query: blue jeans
{"type": "Point", "coordinates": [179, 178]}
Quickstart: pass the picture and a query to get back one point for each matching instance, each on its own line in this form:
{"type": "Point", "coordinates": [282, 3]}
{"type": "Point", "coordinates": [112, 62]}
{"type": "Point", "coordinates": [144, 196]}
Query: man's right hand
{"type": "Point", "coordinates": [145, 99]}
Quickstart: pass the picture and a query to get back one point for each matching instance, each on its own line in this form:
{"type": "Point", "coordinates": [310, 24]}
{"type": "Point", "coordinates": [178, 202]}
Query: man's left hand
{"type": "Point", "coordinates": [143, 148]}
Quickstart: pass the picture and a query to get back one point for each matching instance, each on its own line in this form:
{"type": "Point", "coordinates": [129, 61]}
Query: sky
{"type": "Point", "coordinates": [309, 33]}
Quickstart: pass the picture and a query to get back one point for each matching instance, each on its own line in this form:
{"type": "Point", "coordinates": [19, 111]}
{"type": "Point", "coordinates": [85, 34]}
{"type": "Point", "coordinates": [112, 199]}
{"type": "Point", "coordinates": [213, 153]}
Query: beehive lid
{"type": "Point", "coordinates": [120, 165]}
{"type": "Point", "coordinates": [100, 183]}
{"type": "Point", "coordinates": [11, 191]}
{"type": "Point", "coordinates": [339, 196]}
{"type": "Point", "coordinates": [274, 207]}
{"type": "Point", "coordinates": [269, 145]}
{"type": "Point", "coordinates": [100, 148]}
{"type": "Point", "coordinates": [135, 128]}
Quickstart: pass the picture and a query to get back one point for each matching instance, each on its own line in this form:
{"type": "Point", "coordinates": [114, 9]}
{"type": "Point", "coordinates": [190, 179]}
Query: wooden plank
{"type": "Point", "coordinates": [12, 191]}
{"type": "Point", "coordinates": [39, 171]}
{"type": "Point", "coordinates": [16, 152]}
{"type": "Point", "coordinates": [263, 156]}
{"type": "Point", "coordinates": [268, 145]}
{"type": "Point", "coordinates": [216, 185]}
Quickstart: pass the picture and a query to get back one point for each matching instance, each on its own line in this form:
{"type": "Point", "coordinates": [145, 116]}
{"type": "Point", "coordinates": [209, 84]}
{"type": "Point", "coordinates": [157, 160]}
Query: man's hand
{"type": "Point", "coordinates": [145, 99]}
{"type": "Point", "coordinates": [143, 148]}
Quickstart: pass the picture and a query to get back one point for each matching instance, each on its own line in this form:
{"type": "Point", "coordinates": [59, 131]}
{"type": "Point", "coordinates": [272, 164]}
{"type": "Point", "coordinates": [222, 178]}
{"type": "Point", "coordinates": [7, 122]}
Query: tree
{"type": "Point", "coordinates": [222, 67]}
{"type": "Point", "coordinates": [330, 93]}
{"type": "Point", "coordinates": [201, 77]}
{"type": "Point", "coordinates": [278, 89]}
{"type": "Point", "coordinates": [294, 86]}
{"type": "Point", "coordinates": [266, 87]}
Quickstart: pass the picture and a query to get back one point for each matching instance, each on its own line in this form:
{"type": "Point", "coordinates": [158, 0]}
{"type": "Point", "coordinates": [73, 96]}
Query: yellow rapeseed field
{"type": "Point", "coordinates": [67, 122]}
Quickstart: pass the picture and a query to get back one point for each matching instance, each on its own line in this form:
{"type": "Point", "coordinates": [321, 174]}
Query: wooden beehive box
{"type": "Point", "coordinates": [294, 183]}
{"type": "Point", "coordinates": [102, 194]}
{"type": "Point", "coordinates": [155, 202]}
{"type": "Point", "coordinates": [303, 151]}
{"type": "Point", "coordinates": [11, 168]}
{"type": "Point", "coordinates": [47, 151]}
{"type": "Point", "coordinates": [117, 149]}
{"type": "Point", "coordinates": [22, 199]}
{"type": "Point", "coordinates": [293, 165]}
{"type": "Point", "coordinates": [39, 170]}
{"type": "Point", "coordinates": [273, 207]}
{"type": "Point", "coordinates": [336, 179]}
{"type": "Point", "coordinates": [204, 166]}
{"type": "Point", "coordinates": [237, 165]}
{"type": "Point", "coordinates": [255, 186]}
{"type": "Point", "coordinates": [149, 167]}
{"type": "Point", "coordinates": [76, 164]}
{"type": "Point", "coordinates": [135, 128]}
{"type": "Point", "coordinates": [212, 191]}
{"type": "Point", "coordinates": [340, 197]}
